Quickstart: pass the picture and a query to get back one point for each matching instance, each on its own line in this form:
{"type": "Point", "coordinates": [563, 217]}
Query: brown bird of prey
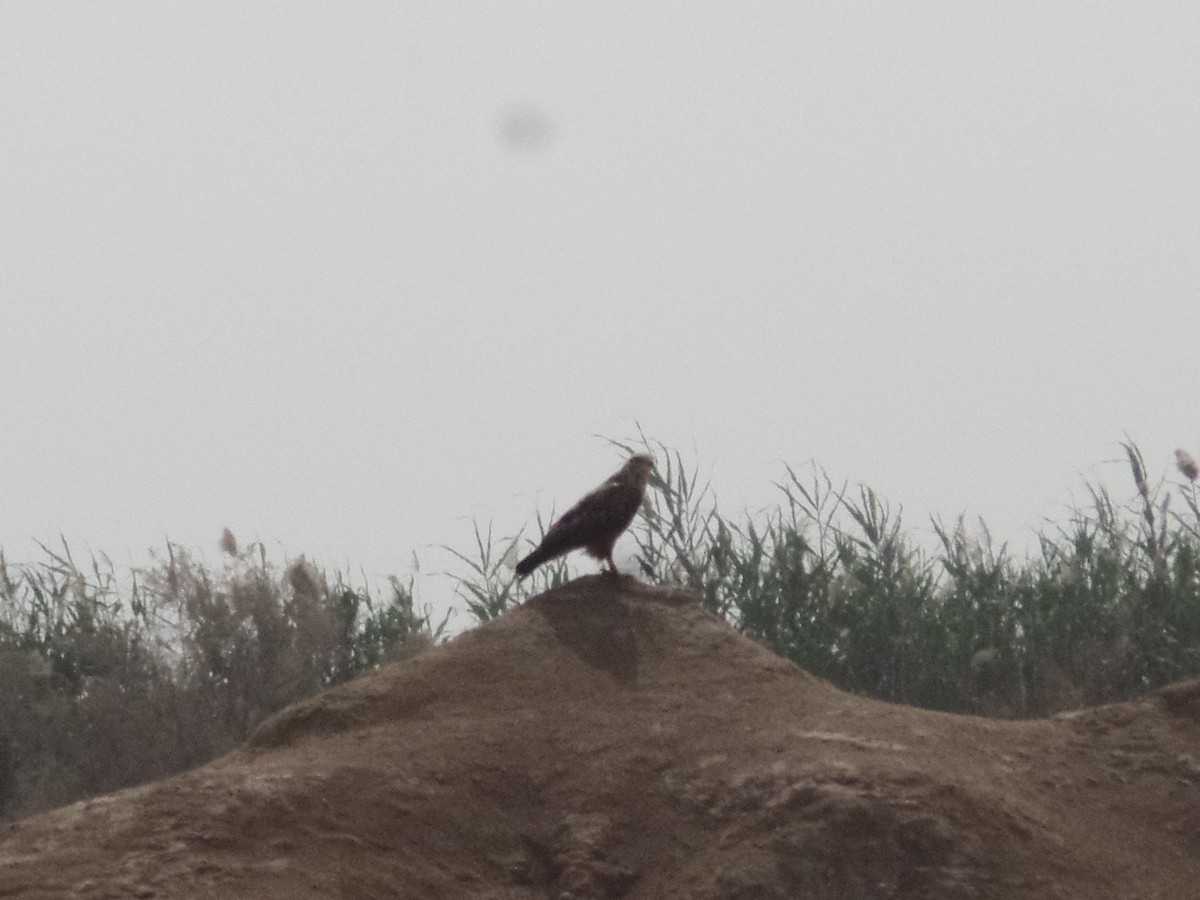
{"type": "Point", "coordinates": [596, 521]}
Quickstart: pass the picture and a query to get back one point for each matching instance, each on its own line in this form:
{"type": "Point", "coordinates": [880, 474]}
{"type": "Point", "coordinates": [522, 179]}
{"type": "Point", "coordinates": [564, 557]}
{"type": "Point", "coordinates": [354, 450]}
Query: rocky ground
{"type": "Point", "coordinates": [609, 740]}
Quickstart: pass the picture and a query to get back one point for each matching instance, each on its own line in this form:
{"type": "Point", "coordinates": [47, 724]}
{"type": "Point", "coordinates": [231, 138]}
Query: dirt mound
{"type": "Point", "coordinates": [609, 740]}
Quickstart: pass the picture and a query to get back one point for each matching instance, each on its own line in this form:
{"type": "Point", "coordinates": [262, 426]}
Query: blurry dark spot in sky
{"type": "Point", "coordinates": [526, 129]}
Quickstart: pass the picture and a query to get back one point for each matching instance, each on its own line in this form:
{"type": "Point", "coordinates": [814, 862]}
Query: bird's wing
{"type": "Point", "coordinates": [600, 513]}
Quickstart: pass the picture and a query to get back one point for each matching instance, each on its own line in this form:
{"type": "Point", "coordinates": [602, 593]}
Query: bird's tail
{"type": "Point", "coordinates": [531, 562]}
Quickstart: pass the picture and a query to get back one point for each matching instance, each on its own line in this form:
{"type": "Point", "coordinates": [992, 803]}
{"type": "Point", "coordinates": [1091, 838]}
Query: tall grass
{"type": "Point", "coordinates": [109, 683]}
{"type": "Point", "coordinates": [487, 585]}
{"type": "Point", "coordinates": [1106, 608]}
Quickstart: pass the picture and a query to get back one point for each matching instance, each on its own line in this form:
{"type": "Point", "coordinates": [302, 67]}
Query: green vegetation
{"type": "Point", "coordinates": [113, 681]}
{"type": "Point", "coordinates": [1106, 609]}
{"type": "Point", "coordinates": [106, 685]}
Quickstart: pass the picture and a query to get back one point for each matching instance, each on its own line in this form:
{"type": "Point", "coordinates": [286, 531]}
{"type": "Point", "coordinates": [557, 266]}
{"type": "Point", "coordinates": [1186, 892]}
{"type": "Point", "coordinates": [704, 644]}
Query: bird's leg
{"type": "Point", "coordinates": [612, 566]}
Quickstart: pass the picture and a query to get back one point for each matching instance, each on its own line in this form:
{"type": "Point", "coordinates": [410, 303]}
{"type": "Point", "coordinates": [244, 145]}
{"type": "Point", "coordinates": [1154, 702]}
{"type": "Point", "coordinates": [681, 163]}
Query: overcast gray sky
{"type": "Point", "coordinates": [343, 276]}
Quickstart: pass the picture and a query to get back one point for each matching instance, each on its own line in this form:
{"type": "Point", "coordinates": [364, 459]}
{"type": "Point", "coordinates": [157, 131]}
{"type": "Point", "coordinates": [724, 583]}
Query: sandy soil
{"type": "Point", "coordinates": [608, 740]}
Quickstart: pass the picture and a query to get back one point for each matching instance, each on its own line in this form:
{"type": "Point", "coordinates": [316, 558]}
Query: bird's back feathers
{"type": "Point", "coordinates": [596, 521]}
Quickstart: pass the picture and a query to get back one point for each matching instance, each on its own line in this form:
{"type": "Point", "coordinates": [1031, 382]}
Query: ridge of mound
{"type": "Point", "coordinates": [610, 740]}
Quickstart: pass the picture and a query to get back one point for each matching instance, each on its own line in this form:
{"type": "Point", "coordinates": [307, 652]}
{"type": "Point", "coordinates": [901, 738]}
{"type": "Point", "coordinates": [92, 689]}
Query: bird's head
{"type": "Point", "coordinates": [641, 465]}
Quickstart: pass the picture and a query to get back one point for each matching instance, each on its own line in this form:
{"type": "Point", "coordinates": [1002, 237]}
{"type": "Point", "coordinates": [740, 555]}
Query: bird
{"type": "Point", "coordinates": [595, 522]}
